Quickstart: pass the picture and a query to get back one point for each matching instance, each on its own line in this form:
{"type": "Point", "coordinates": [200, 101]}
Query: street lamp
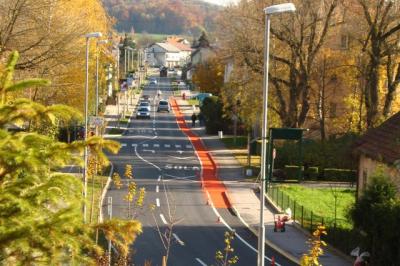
{"type": "Point", "coordinates": [85, 170]}
{"type": "Point", "coordinates": [275, 9]}
{"type": "Point", "coordinates": [97, 74]}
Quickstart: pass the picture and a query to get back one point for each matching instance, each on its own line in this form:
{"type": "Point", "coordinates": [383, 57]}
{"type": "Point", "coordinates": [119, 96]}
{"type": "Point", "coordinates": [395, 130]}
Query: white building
{"type": "Point", "coordinates": [163, 54]}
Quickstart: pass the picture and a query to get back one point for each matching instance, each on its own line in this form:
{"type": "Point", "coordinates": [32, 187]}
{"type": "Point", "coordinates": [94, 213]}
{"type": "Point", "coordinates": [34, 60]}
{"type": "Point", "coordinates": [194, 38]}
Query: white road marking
{"type": "Point", "coordinates": [178, 239]}
{"type": "Point", "coordinates": [145, 145]}
{"type": "Point", "coordinates": [157, 189]}
{"type": "Point", "coordinates": [156, 145]}
{"type": "Point", "coordinates": [152, 151]}
{"type": "Point", "coordinates": [123, 144]}
{"type": "Point", "coordinates": [176, 167]}
{"type": "Point", "coordinates": [201, 262]}
{"type": "Point", "coordinates": [180, 152]}
{"type": "Point", "coordinates": [178, 146]}
{"type": "Point", "coordinates": [185, 167]}
{"type": "Point", "coordinates": [168, 166]}
{"type": "Point", "coordinates": [181, 158]}
{"type": "Point", "coordinates": [158, 202]}
{"type": "Point", "coordinates": [167, 145]}
{"type": "Point", "coordinates": [196, 168]}
{"type": "Point", "coordinates": [159, 178]}
{"type": "Point", "coordinates": [134, 145]}
{"type": "Point", "coordinates": [144, 160]}
{"type": "Point", "coordinates": [163, 219]}
{"type": "Point", "coordinates": [188, 146]}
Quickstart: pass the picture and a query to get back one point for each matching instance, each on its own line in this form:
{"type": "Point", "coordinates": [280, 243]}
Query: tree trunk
{"type": "Point", "coordinates": [372, 87]}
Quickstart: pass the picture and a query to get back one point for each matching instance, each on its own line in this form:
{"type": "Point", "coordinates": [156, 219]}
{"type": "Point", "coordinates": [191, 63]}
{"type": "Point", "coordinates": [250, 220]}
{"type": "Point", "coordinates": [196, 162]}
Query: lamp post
{"type": "Point", "coordinates": [275, 9]}
{"type": "Point", "coordinates": [97, 74]}
{"type": "Point", "coordinates": [85, 166]}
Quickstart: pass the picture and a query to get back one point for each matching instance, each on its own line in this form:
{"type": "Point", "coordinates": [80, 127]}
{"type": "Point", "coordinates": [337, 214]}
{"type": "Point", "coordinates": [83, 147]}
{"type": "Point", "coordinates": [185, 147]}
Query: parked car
{"type": "Point", "coordinates": [163, 105]}
{"type": "Point", "coordinates": [201, 96]}
{"type": "Point", "coordinates": [143, 112]}
{"type": "Point", "coordinates": [145, 104]}
{"type": "Point", "coordinates": [153, 82]}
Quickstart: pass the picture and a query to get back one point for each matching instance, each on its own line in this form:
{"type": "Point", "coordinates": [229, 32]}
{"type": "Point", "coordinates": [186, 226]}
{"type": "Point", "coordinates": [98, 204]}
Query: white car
{"type": "Point", "coordinates": [143, 112]}
{"type": "Point", "coordinates": [145, 104]}
{"type": "Point", "coordinates": [153, 82]}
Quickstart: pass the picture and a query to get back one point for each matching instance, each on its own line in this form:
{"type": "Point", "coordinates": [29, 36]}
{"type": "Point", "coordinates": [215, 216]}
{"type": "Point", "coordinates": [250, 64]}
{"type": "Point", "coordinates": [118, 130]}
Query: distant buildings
{"type": "Point", "coordinates": [173, 52]}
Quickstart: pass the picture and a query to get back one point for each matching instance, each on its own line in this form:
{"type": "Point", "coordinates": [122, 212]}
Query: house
{"type": "Point", "coordinates": [201, 53]}
{"type": "Point", "coordinates": [379, 149]}
{"type": "Point", "coordinates": [162, 54]}
{"type": "Point", "coordinates": [184, 46]}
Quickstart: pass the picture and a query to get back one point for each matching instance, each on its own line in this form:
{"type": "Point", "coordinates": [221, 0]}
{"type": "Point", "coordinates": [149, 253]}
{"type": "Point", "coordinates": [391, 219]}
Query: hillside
{"type": "Point", "coordinates": [162, 16]}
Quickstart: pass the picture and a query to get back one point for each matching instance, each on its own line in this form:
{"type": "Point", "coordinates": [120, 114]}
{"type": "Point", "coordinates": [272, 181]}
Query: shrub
{"type": "Point", "coordinates": [334, 174]}
{"type": "Point", "coordinates": [311, 173]}
{"type": "Point", "coordinates": [292, 171]}
{"type": "Point", "coordinates": [212, 110]}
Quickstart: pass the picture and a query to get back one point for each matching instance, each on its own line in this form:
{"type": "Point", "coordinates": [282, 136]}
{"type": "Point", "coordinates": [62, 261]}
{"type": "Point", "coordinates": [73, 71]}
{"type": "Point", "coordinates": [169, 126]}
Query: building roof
{"type": "Point", "coordinates": [168, 47]}
{"type": "Point", "coordinates": [179, 43]}
{"type": "Point", "coordinates": [382, 143]}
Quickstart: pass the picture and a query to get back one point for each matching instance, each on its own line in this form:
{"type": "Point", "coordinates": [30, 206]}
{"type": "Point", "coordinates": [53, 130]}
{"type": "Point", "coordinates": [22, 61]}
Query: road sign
{"type": "Point", "coordinates": [96, 121]}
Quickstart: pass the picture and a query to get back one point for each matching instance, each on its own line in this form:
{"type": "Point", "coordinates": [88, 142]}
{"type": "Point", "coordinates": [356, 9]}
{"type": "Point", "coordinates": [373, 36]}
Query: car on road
{"type": "Point", "coordinates": [153, 82]}
{"type": "Point", "coordinates": [143, 112]}
{"type": "Point", "coordinates": [145, 104]}
{"type": "Point", "coordinates": [163, 105]}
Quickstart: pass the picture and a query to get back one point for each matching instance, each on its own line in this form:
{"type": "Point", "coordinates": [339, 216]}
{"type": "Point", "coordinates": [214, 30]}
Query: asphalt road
{"type": "Point", "coordinates": [165, 164]}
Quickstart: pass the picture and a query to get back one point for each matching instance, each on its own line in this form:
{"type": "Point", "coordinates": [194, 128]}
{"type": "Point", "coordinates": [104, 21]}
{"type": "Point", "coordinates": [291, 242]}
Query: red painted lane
{"type": "Point", "coordinates": [209, 179]}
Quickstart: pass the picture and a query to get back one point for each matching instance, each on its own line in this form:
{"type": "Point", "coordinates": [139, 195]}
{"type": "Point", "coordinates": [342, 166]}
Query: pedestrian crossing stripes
{"type": "Point", "coordinates": [181, 148]}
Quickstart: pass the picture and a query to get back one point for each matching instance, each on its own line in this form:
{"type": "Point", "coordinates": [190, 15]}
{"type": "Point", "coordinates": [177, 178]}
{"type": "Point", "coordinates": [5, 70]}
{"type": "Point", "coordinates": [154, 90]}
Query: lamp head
{"type": "Point", "coordinates": [94, 35]}
{"type": "Point", "coordinates": [281, 8]}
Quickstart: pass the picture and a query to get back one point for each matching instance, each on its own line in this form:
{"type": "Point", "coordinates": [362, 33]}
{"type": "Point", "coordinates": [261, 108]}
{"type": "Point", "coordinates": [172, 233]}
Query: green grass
{"type": "Point", "coordinates": [321, 201]}
{"type": "Point", "coordinates": [124, 121]}
{"type": "Point", "coordinates": [96, 190]}
{"type": "Point", "coordinates": [115, 131]}
{"type": "Point", "coordinates": [156, 37]}
{"type": "Point", "coordinates": [193, 102]}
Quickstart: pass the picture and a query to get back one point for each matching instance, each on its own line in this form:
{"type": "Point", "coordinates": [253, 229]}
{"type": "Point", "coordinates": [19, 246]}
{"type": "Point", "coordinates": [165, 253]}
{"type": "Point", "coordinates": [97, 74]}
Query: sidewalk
{"type": "Point", "coordinates": [245, 202]}
{"type": "Point", "coordinates": [112, 112]}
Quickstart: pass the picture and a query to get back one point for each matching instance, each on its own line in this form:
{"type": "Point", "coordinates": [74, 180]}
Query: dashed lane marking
{"type": "Point", "coordinates": [189, 146]}
{"type": "Point", "coordinates": [178, 146]}
{"type": "Point", "coordinates": [156, 145]}
{"type": "Point", "coordinates": [201, 262]}
{"type": "Point", "coordinates": [157, 189]}
{"type": "Point", "coordinates": [134, 145]}
{"type": "Point", "coordinates": [163, 219]}
{"type": "Point", "coordinates": [158, 202]}
{"type": "Point", "coordinates": [167, 146]}
{"type": "Point", "coordinates": [178, 239]}
{"type": "Point", "coordinates": [123, 144]}
{"type": "Point", "coordinates": [145, 145]}
{"type": "Point", "coordinates": [159, 178]}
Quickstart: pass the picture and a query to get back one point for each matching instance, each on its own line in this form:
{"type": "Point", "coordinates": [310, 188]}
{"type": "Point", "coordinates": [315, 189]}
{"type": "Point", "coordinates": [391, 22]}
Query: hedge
{"type": "Point", "coordinates": [311, 173]}
{"type": "Point", "coordinates": [292, 171]}
{"type": "Point", "coordinates": [335, 174]}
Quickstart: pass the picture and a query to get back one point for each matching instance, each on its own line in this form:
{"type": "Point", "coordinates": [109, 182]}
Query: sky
{"type": "Point", "coordinates": [221, 2]}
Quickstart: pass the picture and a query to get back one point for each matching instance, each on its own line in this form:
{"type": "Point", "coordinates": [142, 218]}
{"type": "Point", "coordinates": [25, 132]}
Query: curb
{"type": "Point", "coordinates": [103, 194]}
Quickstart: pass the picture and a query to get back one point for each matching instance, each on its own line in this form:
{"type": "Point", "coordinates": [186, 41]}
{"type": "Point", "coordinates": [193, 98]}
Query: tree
{"type": "Point", "coordinates": [209, 76]}
{"type": "Point", "coordinates": [379, 40]}
{"type": "Point", "coordinates": [296, 41]}
{"type": "Point", "coordinates": [376, 214]}
{"type": "Point", "coordinates": [40, 207]}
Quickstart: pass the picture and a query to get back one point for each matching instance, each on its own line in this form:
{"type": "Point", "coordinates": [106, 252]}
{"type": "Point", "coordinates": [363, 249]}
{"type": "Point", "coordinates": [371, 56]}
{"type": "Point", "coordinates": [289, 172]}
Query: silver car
{"type": "Point", "coordinates": [163, 105]}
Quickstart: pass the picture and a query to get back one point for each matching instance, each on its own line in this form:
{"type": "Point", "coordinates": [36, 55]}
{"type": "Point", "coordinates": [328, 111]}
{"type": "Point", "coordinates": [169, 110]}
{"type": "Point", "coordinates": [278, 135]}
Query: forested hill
{"type": "Point", "coordinates": [162, 16]}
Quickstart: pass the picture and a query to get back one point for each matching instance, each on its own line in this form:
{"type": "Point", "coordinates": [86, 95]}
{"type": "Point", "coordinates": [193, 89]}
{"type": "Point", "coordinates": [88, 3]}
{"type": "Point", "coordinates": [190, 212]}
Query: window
{"type": "Point", "coordinates": [344, 41]}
